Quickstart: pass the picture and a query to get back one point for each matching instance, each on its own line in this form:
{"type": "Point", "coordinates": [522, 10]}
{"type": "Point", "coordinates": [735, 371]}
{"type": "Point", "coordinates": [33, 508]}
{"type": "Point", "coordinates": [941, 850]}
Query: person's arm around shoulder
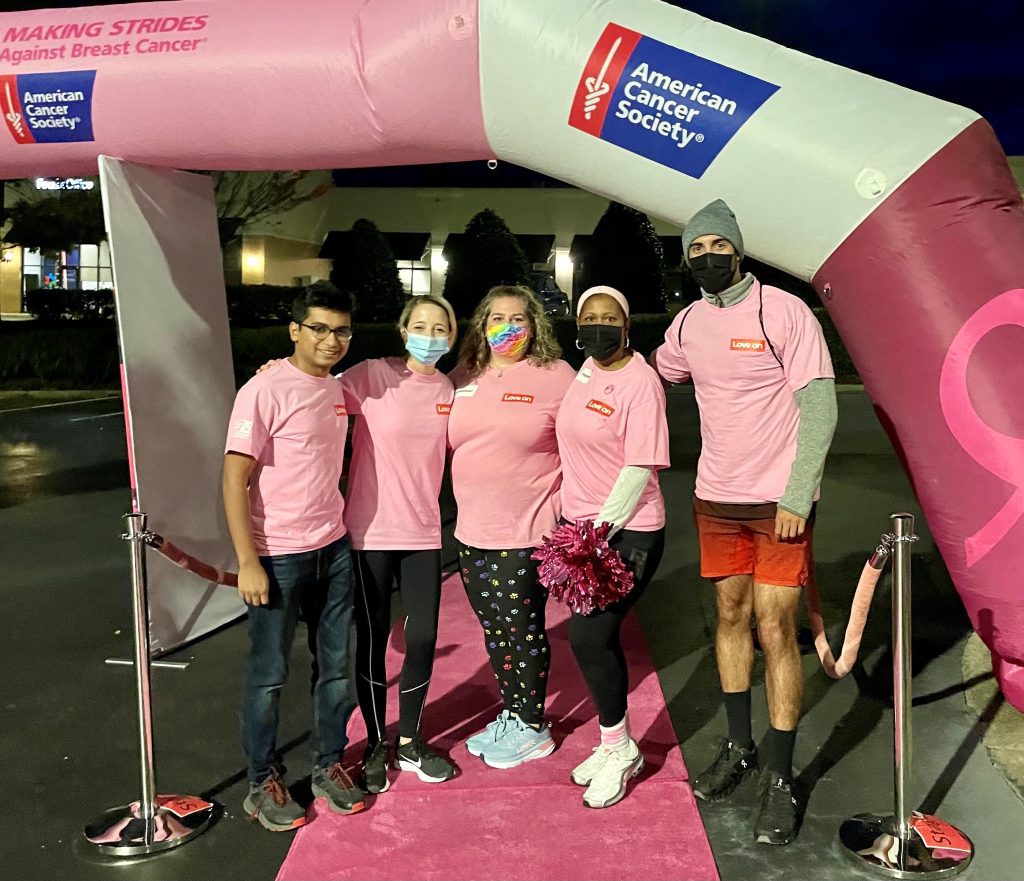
{"type": "Point", "coordinates": [253, 584]}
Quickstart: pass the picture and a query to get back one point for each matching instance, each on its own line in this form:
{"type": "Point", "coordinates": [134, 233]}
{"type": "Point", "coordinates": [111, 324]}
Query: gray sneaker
{"type": "Point", "coordinates": [271, 805]}
{"type": "Point", "coordinates": [334, 784]}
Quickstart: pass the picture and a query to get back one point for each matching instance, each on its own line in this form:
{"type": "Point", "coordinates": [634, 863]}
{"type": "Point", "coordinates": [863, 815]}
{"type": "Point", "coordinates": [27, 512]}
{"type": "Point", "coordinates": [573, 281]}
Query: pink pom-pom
{"type": "Point", "coordinates": [580, 568]}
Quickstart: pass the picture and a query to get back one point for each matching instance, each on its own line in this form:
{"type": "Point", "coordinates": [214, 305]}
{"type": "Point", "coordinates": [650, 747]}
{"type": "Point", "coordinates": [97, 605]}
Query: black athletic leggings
{"type": "Point", "coordinates": [595, 638]}
{"type": "Point", "coordinates": [504, 592]}
{"type": "Point", "coordinates": [418, 574]}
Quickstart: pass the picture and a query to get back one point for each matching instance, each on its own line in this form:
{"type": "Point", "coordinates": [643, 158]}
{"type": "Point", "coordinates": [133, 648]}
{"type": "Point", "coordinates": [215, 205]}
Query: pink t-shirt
{"type": "Point", "coordinates": [294, 426]}
{"type": "Point", "coordinates": [748, 414]}
{"type": "Point", "coordinates": [399, 442]}
{"type": "Point", "coordinates": [505, 466]}
{"type": "Point", "coordinates": [610, 419]}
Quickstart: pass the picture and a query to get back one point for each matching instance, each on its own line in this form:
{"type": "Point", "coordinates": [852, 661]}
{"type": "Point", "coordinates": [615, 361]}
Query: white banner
{"type": "Point", "coordinates": [178, 381]}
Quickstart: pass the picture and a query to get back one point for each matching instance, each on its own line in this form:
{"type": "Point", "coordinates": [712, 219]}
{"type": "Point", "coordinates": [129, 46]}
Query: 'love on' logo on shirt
{"type": "Point", "coordinates": [747, 345]}
{"type": "Point", "coordinates": [444, 409]}
{"type": "Point", "coordinates": [600, 407]}
{"type": "Point", "coordinates": [339, 410]}
{"type": "Point", "coordinates": [511, 398]}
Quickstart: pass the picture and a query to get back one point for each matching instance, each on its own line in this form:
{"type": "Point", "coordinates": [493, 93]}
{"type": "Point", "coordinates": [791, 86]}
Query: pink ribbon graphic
{"type": "Point", "coordinates": [998, 453]}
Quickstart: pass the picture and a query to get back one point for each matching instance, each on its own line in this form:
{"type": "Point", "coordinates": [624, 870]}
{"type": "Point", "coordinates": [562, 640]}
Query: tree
{"type": "Point", "coordinates": [58, 222]}
{"type": "Point", "coordinates": [246, 197]}
{"type": "Point", "coordinates": [368, 271]}
{"type": "Point", "coordinates": [487, 255]}
{"type": "Point", "coordinates": [625, 253]}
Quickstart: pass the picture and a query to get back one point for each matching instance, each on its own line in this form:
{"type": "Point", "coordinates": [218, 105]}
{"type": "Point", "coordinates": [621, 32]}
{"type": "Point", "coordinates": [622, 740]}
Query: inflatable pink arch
{"type": "Point", "coordinates": [899, 208]}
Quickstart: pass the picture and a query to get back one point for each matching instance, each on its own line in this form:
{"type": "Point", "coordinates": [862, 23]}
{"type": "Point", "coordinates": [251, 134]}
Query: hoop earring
{"type": "Point", "coordinates": [627, 341]}
{"type": "Point", "coordinates": [578, 346]}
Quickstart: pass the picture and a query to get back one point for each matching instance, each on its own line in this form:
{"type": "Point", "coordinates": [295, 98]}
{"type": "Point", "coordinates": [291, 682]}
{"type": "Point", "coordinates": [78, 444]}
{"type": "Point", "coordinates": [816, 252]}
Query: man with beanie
{"type": "Point", "coordinates": [765, 390]}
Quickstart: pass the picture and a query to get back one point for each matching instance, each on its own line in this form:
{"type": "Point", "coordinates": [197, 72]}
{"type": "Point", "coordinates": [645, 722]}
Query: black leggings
{"type": "Point", "coordinates": [595, 638]}
{"type": "Point", "coordinates": [504, 592]}
{"type": "Point", "coordinates": [418, 574]}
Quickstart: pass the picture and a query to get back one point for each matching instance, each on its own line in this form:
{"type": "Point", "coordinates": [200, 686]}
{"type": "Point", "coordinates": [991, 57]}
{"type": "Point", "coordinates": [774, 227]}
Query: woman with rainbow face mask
{"type": "Point", "coordinates": [506, 475]}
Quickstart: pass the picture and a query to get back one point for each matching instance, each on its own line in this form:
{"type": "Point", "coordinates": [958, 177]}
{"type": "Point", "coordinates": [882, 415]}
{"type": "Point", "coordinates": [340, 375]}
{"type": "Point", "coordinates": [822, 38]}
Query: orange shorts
{"type": "Point", "coordinates": [749, 547]}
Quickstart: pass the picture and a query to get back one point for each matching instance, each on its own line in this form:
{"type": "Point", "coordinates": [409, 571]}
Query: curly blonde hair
{"type": "Point", "coordinates": [543, 348]}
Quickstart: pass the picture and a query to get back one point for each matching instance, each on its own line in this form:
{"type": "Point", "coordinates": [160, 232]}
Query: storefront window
{"type": "Point", "coordinates": [86, 267]}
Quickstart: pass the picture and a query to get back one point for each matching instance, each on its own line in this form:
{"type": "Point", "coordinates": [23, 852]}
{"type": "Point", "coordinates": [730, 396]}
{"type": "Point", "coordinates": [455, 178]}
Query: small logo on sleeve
{"type": "Point", "coordinates": [444, 409]}
{"type": "Point", "coordinates": [510, 398]}
{"type": "Point", "coordinates": [339, 410]}
{"type": "Point", "coordinates": [243, 428]}
{"type": "Point", "coordinates": [747, 345]}
{"type": "Point", "coordinates": [600, 407]}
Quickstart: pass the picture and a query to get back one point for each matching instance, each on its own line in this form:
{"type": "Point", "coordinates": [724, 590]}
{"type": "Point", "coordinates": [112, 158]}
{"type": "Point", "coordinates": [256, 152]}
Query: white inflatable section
{"type": "Point", "coordinates": [808, 145]}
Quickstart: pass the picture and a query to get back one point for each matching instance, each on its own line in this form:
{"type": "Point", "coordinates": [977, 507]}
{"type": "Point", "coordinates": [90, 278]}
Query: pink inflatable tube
{"type": "Point", "coordinates": [898, 207]}
{"type": "Point", "coordinates": [927, 296]}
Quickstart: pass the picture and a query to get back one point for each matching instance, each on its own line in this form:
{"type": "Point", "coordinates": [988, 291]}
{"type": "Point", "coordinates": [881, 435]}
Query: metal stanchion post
{"type": "Point", "coordinates": [905, 844]}
{"type": "Point", "coordinates": [155, 822]}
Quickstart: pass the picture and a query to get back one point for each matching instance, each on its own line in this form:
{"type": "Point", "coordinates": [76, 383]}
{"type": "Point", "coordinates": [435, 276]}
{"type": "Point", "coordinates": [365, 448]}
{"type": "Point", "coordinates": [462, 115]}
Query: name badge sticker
{"type": "Point", "coordinates": [668, 105]}
{"type": "Point", "coordinates": [467, 391]}
{"type": "Point", "coordinates": [584, 375]}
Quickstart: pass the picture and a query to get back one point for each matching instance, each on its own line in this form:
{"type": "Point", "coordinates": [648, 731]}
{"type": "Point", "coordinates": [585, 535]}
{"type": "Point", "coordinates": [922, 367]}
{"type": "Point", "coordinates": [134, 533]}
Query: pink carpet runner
{"type": "Point", "coordinates": [527, 822]}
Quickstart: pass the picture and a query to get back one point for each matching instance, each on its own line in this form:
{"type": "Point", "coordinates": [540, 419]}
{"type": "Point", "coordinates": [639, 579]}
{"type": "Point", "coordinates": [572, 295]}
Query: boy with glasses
{"type": "Point", "coordinates": [282, 465]}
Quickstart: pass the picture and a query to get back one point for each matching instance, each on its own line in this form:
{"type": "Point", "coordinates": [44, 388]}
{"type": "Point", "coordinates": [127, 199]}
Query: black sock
{"type": "Point", "coordinates": [778, 747]}
{"type": "Point", "coordinates": [737, 712]}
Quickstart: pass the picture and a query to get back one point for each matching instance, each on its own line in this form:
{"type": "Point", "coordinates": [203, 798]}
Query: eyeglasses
{"type": "Point", "coordinates": [321, 331]}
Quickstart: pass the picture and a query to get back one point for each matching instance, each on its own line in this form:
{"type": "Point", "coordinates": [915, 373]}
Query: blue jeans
{"type": "Point", "coordinates": [320, 584]}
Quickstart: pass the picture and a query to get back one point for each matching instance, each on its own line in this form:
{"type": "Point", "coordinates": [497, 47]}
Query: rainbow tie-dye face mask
{"type": "Point", "coordinates": [508, 340]}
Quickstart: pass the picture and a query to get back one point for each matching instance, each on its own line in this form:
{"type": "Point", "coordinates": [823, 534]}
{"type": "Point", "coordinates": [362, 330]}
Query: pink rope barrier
{"type": "Point", "coordinates": [862, 597]}
{"type": "Point", "coordinates": [186, 561]}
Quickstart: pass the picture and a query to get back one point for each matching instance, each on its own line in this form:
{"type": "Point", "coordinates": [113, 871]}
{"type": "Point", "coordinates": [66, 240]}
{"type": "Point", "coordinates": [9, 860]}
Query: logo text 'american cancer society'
{"type": "Point", "coordinates": [669, 105]}
{"type": "Point", "coordinates": [48, 108]}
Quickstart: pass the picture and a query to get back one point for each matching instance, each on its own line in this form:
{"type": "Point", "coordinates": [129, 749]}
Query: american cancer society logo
{"type": "Point", "coordinates": [655, 100]}
{"type": "Point", "coordinates": [48, 108]}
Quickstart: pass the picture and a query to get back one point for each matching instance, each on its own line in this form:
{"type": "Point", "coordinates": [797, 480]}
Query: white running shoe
{"type": "Point", "coordinates": [608, 785]}
{"type": "Point", "coordinates": [584, 772]}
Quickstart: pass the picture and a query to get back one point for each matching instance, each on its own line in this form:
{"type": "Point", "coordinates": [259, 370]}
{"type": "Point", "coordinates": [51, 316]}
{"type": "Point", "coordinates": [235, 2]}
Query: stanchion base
{"type": "Point", "coordinates": [121, 831]}
{"type": "Point", "coordinates": [935, 849]}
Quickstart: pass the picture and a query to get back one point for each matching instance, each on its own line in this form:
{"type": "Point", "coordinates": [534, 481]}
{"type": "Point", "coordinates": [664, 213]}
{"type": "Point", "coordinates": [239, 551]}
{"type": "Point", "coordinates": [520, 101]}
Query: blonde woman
{"type": "Point", "coordinates": [506, 475]}
{"type": "Point", "coordinates": [399, 442]}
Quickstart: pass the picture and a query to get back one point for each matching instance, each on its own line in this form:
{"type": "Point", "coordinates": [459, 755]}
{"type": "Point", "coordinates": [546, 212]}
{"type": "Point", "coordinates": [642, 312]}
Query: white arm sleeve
{"type": "Point", "coordinates": [624, 497]}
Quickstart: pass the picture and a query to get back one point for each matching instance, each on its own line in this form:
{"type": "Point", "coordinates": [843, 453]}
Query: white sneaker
{"type": "Point", "coordinates": [584, 772]}
{"type": "Point", "coordinates": [608, 785]}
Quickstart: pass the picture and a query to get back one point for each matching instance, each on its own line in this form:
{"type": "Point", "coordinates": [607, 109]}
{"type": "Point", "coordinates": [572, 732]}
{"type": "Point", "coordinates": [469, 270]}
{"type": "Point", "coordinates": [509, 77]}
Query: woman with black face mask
{"type": "Point", "coordinates": [613, 438]}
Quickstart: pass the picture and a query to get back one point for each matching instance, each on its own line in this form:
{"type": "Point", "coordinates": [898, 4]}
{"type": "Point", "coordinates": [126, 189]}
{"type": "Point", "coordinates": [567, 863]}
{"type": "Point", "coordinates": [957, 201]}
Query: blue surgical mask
{"type": "Point", "coordinates": [426, 349]}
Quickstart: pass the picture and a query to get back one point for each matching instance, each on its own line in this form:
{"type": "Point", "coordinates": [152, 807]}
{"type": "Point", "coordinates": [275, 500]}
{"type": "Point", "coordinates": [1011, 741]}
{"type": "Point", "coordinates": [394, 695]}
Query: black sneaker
{"type": "Point", "coordinates": [726, 772]}
{"type": "Point", "coordinates": [776, 821]}
{"type": "Point", "coordinates": [270, 803]}
{"type": "Point", "coordinates": [334, 784]}
{"type": "Point", "coordinates": [375, 768]}
{"type": "Point", "coordinates": [428, 765]}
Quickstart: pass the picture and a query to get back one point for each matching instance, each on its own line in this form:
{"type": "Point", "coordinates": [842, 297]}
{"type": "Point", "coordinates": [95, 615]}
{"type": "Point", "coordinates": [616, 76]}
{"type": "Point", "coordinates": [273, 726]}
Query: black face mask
{"type": "Point", "coordinates": [714, 272]}
{"type": "Point", "coordinates": [599, 341]}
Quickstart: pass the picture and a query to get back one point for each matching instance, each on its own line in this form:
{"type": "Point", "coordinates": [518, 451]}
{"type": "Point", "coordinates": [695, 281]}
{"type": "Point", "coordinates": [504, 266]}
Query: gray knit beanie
{"type": "Point", "coordinates": [714, 219]}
